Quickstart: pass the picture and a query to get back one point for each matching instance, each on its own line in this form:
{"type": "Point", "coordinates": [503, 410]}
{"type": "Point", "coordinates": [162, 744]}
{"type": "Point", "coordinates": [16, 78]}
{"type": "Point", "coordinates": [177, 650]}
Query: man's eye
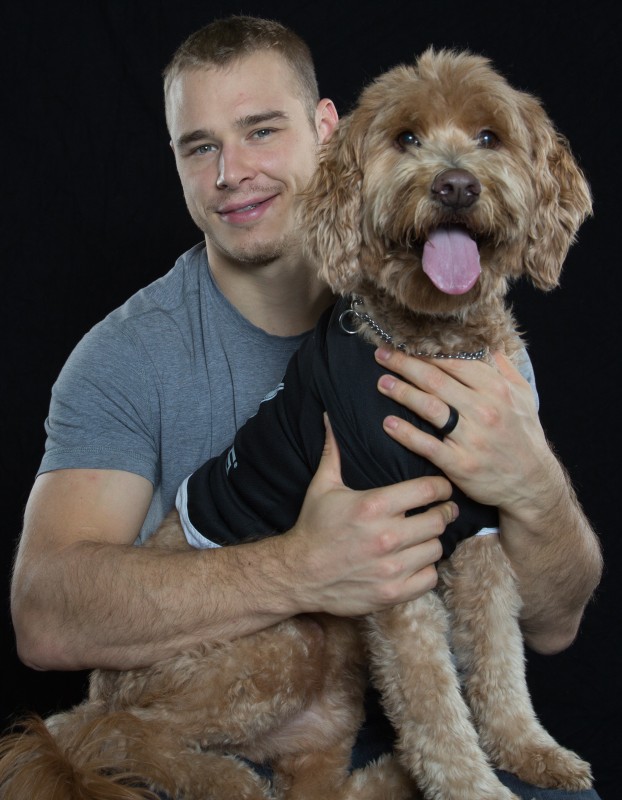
{"type": "Point", "coordinates": [407, 139]}
{"type": "Point", "coordinates": [263, 133]}
{"type": "Point", "coordinates": [488, 140]}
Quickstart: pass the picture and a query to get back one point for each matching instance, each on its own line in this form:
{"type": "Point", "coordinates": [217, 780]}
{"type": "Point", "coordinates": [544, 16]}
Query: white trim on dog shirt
{"type": "Point", "coordinates": [193, 537]}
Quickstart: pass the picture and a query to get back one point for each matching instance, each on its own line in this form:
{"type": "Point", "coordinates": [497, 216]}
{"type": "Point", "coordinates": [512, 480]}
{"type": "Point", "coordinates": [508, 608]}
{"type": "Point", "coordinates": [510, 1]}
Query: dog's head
{"type": "Point", "coordinates": [443, 168]}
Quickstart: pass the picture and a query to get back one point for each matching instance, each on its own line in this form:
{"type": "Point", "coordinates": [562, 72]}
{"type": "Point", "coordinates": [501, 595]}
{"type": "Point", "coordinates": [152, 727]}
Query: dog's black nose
{"type": "Point", "coordinates": [456, 188]}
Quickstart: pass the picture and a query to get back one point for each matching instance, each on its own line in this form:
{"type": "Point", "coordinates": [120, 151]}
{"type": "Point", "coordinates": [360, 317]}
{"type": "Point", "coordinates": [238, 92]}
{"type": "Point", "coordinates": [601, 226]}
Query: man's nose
{"type": "Point", "coordinates": [234, 167]}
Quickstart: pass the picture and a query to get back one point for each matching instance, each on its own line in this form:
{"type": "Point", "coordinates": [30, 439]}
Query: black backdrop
{"type": "Point", "coordinates": [92, 211]}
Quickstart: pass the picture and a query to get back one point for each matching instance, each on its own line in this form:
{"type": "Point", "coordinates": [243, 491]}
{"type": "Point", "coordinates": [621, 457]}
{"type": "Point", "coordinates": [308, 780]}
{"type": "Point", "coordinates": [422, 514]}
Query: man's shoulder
{"type": "Point", "coordinates": [153, 324]}
{"type": "Point", "coordinates": [171, 292]}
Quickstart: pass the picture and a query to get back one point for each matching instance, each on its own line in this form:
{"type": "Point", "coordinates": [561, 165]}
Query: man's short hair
{"type": "Point", "coordinates": [224, 41]}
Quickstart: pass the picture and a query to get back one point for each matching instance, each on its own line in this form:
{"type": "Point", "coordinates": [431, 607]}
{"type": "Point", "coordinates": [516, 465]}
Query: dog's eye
{"type": "Point", "coordinates": [488, 140]}
{"type": "Point", "coordinates": [407, 139]}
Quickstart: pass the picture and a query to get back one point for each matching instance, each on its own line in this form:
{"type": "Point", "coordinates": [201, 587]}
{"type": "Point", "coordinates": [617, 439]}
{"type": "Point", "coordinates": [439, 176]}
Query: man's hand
{"type": "Point", "coordinates": [497, 453]}
{"type": "Point", "coordinates": [356, 551]}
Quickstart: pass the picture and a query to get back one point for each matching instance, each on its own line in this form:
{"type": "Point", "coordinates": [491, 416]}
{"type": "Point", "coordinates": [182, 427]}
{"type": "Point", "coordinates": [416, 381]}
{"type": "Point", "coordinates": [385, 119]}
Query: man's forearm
{"type": "Point", "coordinates": [103, 605]}
{"type": "Point", "coordinates": [557, 559]}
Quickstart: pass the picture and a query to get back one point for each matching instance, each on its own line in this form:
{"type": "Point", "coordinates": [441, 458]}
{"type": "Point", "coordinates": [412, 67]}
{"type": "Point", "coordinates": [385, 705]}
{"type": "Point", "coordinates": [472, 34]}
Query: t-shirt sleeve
{"type": "Point", "coordinates": [525, 367]}
{"type": "Point", "coordinates": [102, 407]}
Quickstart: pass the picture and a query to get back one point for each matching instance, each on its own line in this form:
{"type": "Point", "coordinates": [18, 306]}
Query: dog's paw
{"type": "Point", "coordinates": [383, 779]}
{"type": "Point", "coordinates": [552, 767]}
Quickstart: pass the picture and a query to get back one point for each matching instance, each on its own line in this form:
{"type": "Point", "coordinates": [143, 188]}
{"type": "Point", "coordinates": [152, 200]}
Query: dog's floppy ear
{"type": "Point", "coordinates": [331, 207]}
{"type": "Point", "coordinates": [563, 200]}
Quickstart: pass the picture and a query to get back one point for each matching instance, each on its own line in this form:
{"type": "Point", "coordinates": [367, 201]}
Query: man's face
{"type": "Point", "coordinates": [244, 147]}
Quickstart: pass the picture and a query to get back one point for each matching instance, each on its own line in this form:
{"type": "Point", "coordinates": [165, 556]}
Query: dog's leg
{"type": "Point", "coordinates": [163, 760]}
{"type": "Point", "coordinates": [480, 591]}
{"type": "Point", "coordinates": [197, 776]}
{"type": "Point", "coordinates": [414, 671]}
{"type": "Point", "coordinates": [165, 765]}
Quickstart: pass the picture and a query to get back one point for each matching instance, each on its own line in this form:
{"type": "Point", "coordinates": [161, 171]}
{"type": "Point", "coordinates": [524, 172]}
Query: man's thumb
{"type": "Point", "coordinates": [329, 468]}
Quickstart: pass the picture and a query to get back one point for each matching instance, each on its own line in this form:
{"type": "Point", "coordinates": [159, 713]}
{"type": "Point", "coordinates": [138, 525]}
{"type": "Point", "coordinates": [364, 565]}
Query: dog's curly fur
{"type": "Point", "coordinates": [292, 695]}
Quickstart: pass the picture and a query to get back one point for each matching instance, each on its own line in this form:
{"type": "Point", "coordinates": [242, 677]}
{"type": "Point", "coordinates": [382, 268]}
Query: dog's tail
{"type": "Point", "coordinates": [75, 756]}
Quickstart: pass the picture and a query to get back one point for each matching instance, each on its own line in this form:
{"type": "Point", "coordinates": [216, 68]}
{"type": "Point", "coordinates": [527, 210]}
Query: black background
{"type": "Point", "coordinates": [92, 211]}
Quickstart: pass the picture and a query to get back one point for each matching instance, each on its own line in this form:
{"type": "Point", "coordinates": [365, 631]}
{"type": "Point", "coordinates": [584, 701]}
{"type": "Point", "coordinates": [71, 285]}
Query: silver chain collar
{"type": "Point", "coordinates": [364, 317]}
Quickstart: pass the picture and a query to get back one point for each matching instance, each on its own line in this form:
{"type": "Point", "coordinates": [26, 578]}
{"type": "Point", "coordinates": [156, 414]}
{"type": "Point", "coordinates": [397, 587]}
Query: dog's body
{"type": "Point", "coordinates": [442, 186]}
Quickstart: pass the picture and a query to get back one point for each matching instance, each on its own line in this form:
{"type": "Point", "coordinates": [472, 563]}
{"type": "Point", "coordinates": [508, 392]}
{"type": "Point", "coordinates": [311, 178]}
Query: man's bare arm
{"type": "Point", "coordinates": [556, 557]}
{"type": "Point", "coordinates": [84, 596]}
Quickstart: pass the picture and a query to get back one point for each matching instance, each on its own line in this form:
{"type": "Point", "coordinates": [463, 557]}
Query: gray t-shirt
{"type": "Point", "coordinates": [162, 383]}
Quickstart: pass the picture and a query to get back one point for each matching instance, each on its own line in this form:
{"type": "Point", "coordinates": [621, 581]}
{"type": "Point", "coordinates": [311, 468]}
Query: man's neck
{"type": "Point", "coordinates": [282, 298]}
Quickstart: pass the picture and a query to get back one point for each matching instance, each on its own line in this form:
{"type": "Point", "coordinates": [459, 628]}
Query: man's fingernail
{"type": "Point", "coordinates": [386, 382]}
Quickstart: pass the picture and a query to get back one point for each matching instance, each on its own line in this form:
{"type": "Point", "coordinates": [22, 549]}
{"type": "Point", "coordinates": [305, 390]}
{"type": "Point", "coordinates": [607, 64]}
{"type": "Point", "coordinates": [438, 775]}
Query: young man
{"type": "Point", "coordinates": [163, 382]}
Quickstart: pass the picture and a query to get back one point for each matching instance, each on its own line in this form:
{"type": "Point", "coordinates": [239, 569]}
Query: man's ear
{"type": "Point", "coordinates": [326, 119]}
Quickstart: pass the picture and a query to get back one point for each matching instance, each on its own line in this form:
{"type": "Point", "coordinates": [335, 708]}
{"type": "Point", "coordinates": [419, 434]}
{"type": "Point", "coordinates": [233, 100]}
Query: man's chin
{"type": "Point", "coordinates": [257, 258]}
{"type": "Point", "coordinates": [255, 253]}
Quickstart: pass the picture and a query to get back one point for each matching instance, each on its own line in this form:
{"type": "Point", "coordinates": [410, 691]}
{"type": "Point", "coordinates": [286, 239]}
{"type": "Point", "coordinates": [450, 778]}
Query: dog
{"type": "Point", "coordinates": [441, 187]}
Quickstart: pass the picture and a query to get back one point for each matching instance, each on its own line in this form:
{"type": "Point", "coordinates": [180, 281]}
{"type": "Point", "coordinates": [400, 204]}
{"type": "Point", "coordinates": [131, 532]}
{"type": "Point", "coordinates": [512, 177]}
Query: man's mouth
{"type": "Point", "coordinates": [240, 210]}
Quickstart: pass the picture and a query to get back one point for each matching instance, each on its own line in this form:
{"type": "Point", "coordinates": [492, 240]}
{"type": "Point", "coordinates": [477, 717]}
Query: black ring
{"type": "Point", "coordinates": [451, 423]}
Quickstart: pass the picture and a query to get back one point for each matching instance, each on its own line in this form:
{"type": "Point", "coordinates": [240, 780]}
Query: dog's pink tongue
{"type": "Point", "coordinates": [451, 260]}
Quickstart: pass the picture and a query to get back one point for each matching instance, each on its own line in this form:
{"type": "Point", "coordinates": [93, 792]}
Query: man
{"type": "Point", "coordinates": [162, 384]}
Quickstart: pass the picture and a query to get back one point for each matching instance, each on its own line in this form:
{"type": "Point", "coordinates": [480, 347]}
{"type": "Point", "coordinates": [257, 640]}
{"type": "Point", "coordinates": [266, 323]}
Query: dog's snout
{"type": "Point", "coordinates": [456, 188]}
